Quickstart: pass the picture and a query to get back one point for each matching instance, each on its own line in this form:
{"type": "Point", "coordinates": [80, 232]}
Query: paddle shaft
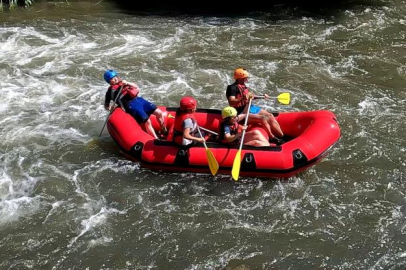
{"type": "Point", "coordinates": [111, 110]}
{"type": "Point", "coordinates": [213, 164]}
{"type": "Point", "coordinates": [283, 98]}
{"type": "Point", "coordinates": [208, 130]}
{"type": "Point", "coordinates": [263, 97]}
{"type": "Point", "coordinates": [245, 124]}
{"type": "Point", "coordinates": [235, 171]}
{"type": "Point", "coordinates": [200, 133]}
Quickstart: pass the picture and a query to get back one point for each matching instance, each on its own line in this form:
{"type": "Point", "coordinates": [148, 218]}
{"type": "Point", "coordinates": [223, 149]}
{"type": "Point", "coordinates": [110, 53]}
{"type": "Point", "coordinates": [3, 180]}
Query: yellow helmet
{"type": "Point", "coordinates": [240, 73]}
{"type": "Point", "coordinates": [228, 112]}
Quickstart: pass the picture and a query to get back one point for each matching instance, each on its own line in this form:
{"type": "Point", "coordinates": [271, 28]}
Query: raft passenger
{"type": "Point", "coordinates": [231, 131]}
{"type": "Point", "coordinates": [238, 95]}
{"type": "Point", "coordinates": [132, 103]}
{"type": "Point", "coordinates": [185, 126]}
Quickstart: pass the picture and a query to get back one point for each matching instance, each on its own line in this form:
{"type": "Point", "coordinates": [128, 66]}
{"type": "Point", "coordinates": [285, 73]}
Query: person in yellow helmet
{"type": "Point", "coordinates": [238, 95]}
{"type": "Point", "coordinates": [231, 131]}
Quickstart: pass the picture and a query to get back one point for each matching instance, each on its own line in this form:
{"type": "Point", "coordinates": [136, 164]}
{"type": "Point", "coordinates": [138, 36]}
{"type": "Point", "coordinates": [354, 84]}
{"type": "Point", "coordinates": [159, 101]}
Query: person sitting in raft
{"type": "Point", "coordinates": [185, 125]}
{"type": "Point", "coordinates": [238, 95]}
{"type": "Point", "coordinates": [231, 131]}
{"type": "Point", "coordinates": [132, 103]}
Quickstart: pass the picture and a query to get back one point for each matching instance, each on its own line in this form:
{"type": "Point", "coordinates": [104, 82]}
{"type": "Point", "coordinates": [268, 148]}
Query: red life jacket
{"type": "Point", "coordinates": [177, 134]}
{"type": "Point", "coordinates": [129, 91]}
{"type": "Point", "coordinates": [243, 91]}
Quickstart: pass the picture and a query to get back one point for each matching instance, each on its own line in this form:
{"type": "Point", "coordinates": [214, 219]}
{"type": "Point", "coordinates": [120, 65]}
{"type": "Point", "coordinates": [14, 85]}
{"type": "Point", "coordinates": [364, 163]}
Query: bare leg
{"type": "Point", "coordinates": [160, 117]}
{"type": "Point", "coordinates": [275, 126]}
{"type": "Point", "coordinates": [255, 143]}
{"type": "Point", "coordinates": [272, 121]}
{"type": "Point", "coordinates": [150, 129]}
{"type": "Point", "coordinates": [255, 138]}
{"type": "Point", "coordinates": [263, 120]}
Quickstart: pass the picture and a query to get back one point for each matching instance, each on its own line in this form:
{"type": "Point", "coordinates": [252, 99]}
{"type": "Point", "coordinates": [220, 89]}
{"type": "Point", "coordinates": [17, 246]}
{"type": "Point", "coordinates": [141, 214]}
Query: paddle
{"type": "Point", "coordinates": [208, 130]}
{"type": "Point", "coordinates": [235, 171]}
{"type": "Point", "coordinates": [111, 110]}
{"type": "Point", "coordinates": [283, 98]}
{"type": "Point", "coordinates": [213, 164]}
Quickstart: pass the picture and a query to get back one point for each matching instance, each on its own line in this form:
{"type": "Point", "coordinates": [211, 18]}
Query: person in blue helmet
{"type": "Point", "coordinates": [238, 95]}
{"type": "Point", "coordinates": [132, 103]}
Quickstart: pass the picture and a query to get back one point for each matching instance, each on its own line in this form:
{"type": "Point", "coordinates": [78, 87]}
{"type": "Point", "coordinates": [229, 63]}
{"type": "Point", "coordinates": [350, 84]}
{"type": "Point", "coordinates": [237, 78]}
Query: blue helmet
{"type": "Point", "coordinates": [109, 74]}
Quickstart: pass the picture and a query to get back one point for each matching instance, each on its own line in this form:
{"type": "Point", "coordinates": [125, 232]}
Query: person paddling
{"type": "Point", "coordinates": [231, 131]}
{"type": "Point", "coordinates": [185, 131]}
{"type": "Point", "coordinates": [238, 95]}
{"type": "Point", "coordinates": [132, 103]}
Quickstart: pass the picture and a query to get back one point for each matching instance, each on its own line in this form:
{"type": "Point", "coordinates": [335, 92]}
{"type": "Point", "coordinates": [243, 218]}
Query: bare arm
{"type": "Point", "coordinates": [130, 84]}
{"type": "Point", "coordinates": [242, 116]}
{"type": "Point", "coordinates": [233, 100]}
{"type": "Point", "coordinates": [231, 138]}
{"type": "Point", "coordinates": [187, 135]}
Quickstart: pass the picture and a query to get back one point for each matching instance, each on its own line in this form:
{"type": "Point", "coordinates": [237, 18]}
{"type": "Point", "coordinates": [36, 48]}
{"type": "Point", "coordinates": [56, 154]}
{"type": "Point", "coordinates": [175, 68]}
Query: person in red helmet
{"type": "Point", "coordinates": [238, 95]}
{"type": "Point", "coordinates": [185, 126]}
{"type": "Point", "coordinates": [132, 103]}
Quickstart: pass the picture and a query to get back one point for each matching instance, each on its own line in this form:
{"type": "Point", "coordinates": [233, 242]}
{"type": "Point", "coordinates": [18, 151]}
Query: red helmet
{"type": "Point", "coordinates": [188, 103]}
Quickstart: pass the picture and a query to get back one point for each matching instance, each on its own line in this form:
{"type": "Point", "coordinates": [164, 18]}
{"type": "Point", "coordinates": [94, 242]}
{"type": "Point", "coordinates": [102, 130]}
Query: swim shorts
{"type": "Point", "coordinates": [255, 109]}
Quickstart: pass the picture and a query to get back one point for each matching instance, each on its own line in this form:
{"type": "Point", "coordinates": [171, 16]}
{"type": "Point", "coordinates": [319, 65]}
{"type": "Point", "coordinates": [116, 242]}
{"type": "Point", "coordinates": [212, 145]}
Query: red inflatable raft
{"type": "Point", "coordinates": [309, 136]}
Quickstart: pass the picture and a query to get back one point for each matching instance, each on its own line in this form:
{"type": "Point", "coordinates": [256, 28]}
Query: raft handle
{"type": "Point", "coordinates": [248, 163]}
{"type": "Point", "coordinates": [299, 158]}
{"type": "Point", "coordinates": [298, 154]}
{"type": "Point", "coordinates": [137, 147]}
{"type": "Point", "coordinates": [182, 158]}
{"type": "Point", "coordinates": [136, 150]}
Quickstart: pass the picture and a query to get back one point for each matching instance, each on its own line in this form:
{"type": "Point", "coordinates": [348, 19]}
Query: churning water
{"type": "Point", "coordinates": [69, 200]}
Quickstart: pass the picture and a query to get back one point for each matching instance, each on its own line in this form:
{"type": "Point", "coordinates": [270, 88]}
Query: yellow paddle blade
{"type": "Point", "coordinates": [284, 98]}
{"type": "Point", "coordinates": [235, 172]}
{"type": "Point", "coordinates": [213, 165]}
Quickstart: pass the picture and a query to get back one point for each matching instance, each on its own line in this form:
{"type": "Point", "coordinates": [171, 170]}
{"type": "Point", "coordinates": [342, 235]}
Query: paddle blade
{"type": "Point", "coordinates": [235, 172]}
{"type": "Point", "coordinates": [213, 165]}
{"type": "Point", "coordinates": [284, 98]}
